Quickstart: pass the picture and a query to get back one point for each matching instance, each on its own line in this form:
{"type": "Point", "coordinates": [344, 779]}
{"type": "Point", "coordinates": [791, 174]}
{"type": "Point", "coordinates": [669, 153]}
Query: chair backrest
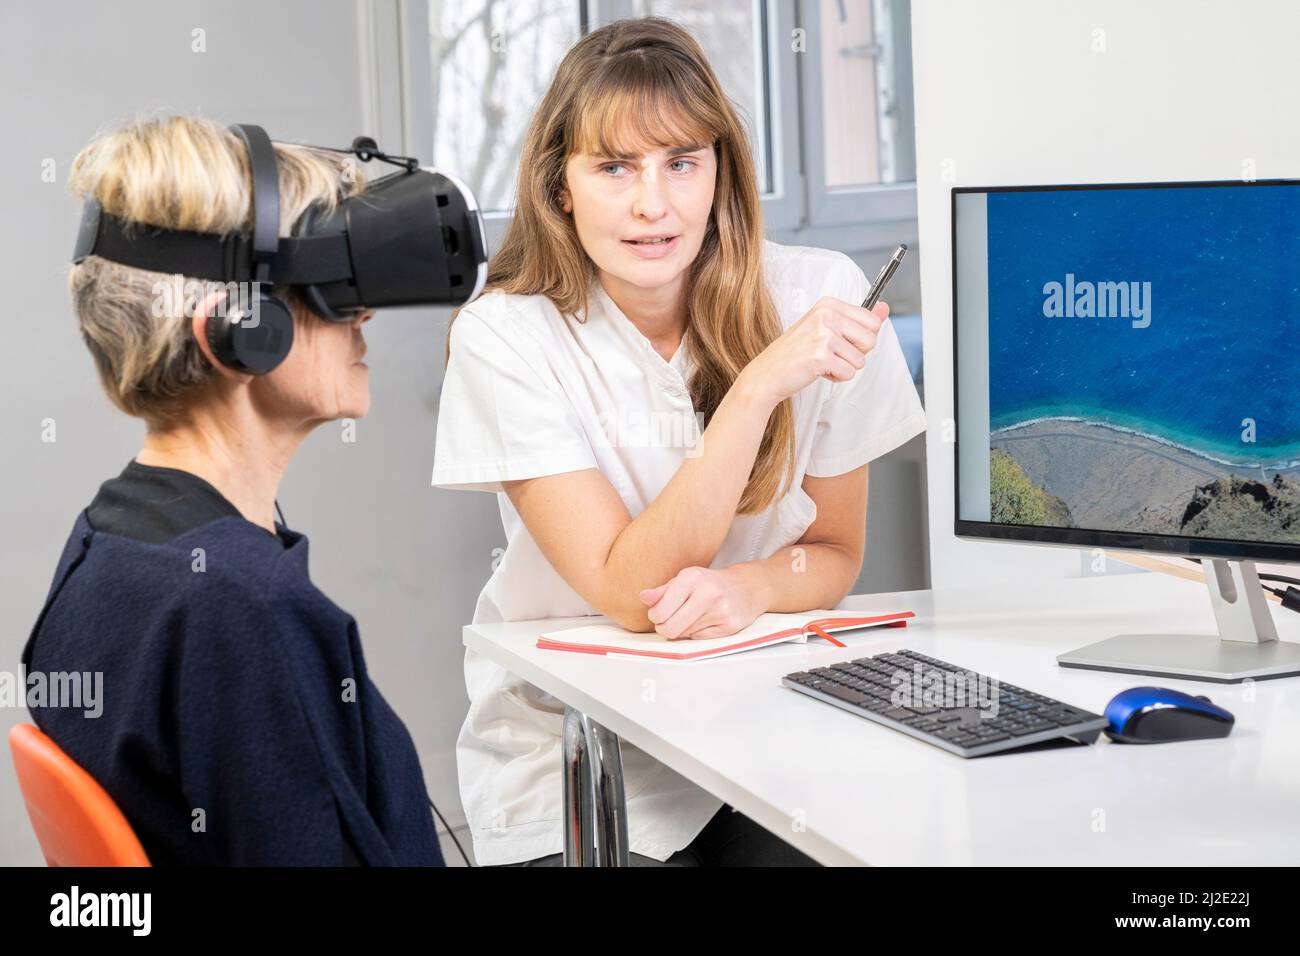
{"type": "Point", "coordinates": [76, 821]}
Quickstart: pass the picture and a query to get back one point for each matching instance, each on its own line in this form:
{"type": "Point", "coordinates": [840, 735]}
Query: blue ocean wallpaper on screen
{"type": "Point", "coordinates": [1144, 359]}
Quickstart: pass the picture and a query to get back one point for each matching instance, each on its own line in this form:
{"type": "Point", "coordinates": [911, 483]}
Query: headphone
{"type": "Point", "coordinates": [256, 340]}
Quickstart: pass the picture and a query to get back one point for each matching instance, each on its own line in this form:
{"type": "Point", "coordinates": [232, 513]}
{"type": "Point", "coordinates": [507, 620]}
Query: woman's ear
{"type": "Point", "coordinates": [211, 309]}
{"type": "Point", "coordinates": [565, 202]}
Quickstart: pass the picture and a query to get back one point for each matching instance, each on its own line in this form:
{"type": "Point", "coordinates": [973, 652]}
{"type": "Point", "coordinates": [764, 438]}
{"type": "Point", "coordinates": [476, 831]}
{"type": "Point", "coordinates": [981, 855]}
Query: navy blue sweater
{"type": "Point", "coordinates": [238, 690]}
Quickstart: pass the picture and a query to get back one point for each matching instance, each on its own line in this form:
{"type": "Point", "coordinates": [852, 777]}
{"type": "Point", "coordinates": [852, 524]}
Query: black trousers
{"type": "Point", "coordinates": [729, 839]}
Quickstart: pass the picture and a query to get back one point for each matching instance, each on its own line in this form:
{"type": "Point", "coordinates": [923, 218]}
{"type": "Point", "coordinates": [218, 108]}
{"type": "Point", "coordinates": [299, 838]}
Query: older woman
{"type": "Point", "coordinates": [239, 725]}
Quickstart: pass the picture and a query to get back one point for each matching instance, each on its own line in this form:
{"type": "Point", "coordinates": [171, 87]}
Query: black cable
{"type": "Point", "coordinates": [1290, 597]}
{"type": "Point", "coordinates": [449, 831]}
{"type": "Point", "coordinates": [366, 149]}
{"type": "Point", "coordinates": [1279, 577]}
{"type": "Point", "coordinates": [436, 811]}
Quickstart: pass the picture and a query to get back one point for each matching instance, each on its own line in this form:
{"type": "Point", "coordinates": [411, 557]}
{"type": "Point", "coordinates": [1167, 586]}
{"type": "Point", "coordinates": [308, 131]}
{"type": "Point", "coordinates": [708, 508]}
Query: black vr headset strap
{"type": "Point", "coordinates": [257, 346]}
{"type": "Point", "coordinates": [301, 260]}
{"type": "Point", "coordinates": [170, 251]}
{"type": "Point", "coordinates": [266, 197]}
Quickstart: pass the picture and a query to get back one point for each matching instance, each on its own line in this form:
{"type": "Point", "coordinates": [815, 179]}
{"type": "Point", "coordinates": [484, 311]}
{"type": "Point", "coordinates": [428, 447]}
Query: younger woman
{"type": "Point", "coordinates": [634, 292]}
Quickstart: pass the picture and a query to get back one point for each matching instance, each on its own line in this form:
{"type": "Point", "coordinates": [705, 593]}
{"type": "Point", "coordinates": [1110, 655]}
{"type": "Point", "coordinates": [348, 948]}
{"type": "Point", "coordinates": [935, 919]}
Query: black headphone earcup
{"type": "Point", "coordinates": [254, 349]}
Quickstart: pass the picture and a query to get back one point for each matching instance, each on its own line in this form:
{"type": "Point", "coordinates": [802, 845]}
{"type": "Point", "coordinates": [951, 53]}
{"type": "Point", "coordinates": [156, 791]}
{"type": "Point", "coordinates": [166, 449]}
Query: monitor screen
{"type": "Point", "coordinates": [1127, 364]}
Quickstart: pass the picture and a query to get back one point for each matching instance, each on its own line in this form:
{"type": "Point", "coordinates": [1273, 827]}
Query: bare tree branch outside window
{"type": "Point", "coordinates": [491, 62]}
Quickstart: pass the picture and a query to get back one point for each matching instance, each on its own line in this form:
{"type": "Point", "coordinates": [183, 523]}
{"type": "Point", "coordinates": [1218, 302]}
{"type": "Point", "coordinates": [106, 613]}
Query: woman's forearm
{"type": "Point", "coordinates": [687, 523]}
{"type": "Point", "coordinates": [802, 577]}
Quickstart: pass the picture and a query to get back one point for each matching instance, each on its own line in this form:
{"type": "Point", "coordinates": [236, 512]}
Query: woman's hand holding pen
{"type": "Point", "coordinates": [831, 341]}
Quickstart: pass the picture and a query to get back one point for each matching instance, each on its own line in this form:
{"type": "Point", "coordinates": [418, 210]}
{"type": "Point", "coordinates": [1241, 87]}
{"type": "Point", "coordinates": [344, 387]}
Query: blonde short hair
{"type": "Point", "coordinates": [176, 172]}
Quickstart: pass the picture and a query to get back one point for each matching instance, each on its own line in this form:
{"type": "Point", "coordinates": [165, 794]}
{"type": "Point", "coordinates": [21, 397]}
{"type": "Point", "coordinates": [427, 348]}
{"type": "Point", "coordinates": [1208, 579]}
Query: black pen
{"type": "Point", "coordinates": [882, 280]}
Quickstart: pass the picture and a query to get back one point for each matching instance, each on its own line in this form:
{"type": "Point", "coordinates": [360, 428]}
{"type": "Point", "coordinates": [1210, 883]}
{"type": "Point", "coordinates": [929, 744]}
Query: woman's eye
{"type": "Point", "coordinates": [677, 166]}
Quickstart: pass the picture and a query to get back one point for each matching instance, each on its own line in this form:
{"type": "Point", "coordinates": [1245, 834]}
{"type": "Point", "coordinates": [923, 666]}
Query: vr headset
{"type": "Point", "coordinates": [412, 238]}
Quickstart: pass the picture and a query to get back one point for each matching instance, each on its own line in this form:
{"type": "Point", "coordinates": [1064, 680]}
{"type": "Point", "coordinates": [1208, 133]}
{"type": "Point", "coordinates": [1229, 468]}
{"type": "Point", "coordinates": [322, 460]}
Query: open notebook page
{"type": "Point", "coordinates": [768, 629]}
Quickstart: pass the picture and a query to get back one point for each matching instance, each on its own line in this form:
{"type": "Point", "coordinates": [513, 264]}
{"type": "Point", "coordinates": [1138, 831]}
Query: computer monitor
{"type": "Point", "coordinates": [1127, 363]}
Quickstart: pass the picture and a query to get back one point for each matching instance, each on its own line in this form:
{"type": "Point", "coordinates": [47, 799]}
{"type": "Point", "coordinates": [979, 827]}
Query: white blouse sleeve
{"type": "Point", "coordinates": [872, 413]}
{"type": "Point", "coordinates": [502, 415]}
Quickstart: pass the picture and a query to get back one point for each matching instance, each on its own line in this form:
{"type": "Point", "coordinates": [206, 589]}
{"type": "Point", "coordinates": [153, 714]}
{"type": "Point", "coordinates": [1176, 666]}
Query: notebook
{"type": "Point", "coordinates": [768, 629]}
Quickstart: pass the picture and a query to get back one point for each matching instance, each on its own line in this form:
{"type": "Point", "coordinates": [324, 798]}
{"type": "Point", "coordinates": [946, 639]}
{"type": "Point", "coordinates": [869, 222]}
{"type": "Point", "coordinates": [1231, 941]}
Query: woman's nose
{"type": "Point", "coordinates": [649, 200]}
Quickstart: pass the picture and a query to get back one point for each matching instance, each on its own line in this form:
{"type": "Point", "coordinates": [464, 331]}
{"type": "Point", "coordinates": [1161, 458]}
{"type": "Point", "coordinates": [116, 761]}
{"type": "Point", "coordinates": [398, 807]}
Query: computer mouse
{"type": "Point", "coordinates": [1158, 715]}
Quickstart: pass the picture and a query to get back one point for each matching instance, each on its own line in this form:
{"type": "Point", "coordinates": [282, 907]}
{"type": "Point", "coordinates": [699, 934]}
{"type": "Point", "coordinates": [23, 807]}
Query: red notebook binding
{"type": "Point", "coordinates": [767, 630]}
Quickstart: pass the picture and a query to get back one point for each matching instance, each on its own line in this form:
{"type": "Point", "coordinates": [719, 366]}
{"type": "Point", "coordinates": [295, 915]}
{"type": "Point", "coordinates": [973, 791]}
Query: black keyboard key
{"type": "Point", "coordinates": [846, 694]}
{"type": "Point", "coordinates": [898, 713]}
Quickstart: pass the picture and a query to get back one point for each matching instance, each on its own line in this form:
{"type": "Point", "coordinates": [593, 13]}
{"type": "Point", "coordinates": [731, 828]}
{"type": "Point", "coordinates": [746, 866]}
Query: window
{"type": "Point", "coordinates": [858, 106]}
{"type": "Point", "coordinates": [823, 86]}
{"type": "Point", "coordinates": [860, 158]}
{"type": "Point", "coordinates": [490, 62]}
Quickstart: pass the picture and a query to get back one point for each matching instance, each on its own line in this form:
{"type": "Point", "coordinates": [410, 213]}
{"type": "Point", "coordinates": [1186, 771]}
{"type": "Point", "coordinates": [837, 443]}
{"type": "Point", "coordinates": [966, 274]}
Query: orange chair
{"type": "Point", "coordinates": [76, 821]}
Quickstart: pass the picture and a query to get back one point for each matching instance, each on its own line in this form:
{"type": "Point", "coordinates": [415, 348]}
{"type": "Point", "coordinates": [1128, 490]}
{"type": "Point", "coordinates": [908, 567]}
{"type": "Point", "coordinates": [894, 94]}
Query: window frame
{"type": "Point", "coordinates": [868, 203]}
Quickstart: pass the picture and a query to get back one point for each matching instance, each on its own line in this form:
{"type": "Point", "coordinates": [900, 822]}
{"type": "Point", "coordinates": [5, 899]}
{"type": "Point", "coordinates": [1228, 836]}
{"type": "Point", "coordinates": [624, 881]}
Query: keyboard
{"type": "Point", "coordinates": [944, 704]}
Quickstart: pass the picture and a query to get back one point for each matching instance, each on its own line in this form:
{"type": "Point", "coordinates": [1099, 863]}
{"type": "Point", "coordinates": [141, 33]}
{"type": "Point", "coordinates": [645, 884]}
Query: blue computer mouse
{"type": "Point", "coordinates": [1157, 715]}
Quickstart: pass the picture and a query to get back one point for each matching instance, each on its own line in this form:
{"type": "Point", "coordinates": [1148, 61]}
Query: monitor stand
{"type": "Point", "coordinates": [1246, 647]}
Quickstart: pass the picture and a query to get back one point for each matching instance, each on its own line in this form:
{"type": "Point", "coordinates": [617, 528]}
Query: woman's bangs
{"type": "Point", "coordinates": [630, 121]}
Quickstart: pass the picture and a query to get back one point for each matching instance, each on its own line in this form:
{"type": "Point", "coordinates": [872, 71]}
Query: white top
{"type": "Point", "coordinates": [528, 393]}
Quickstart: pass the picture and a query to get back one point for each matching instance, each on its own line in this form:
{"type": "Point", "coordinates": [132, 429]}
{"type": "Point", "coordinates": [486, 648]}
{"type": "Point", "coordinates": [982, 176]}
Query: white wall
{"type": "Point", "coordinates": [1045, 91]}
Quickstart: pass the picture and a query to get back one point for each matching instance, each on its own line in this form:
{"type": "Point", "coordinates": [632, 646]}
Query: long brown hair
{"type": "Point", "coordinates": [648, 79]}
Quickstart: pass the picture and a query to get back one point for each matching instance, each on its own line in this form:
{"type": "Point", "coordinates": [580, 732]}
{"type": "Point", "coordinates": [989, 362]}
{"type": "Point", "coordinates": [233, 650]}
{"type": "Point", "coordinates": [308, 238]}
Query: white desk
{"type": "Point", "coordinates": [847, 791]}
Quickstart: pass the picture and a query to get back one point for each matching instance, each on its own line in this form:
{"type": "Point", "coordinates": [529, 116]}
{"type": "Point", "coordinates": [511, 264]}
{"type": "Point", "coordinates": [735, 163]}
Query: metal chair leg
{"type": "Point", "coordinates": [609, 800]}
{"type": "Point", "coordinates": [579, 841]}
{"type": "Point", "coordinates": [595, 804]}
